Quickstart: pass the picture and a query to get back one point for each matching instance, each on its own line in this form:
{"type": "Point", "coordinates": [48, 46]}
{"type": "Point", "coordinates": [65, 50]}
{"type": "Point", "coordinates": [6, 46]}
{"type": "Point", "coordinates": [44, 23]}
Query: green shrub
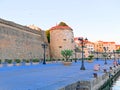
{"type": "Point", "coordinates": [75, 58]}
{"type": "Point", "coordinates": [90, 57]}
{"type": "Point", "coordinates": [48, 59]}
{"type": "Point", "coordinates": [59, 59]}
{"type": "Point", "coordinates": [0, 61]}
{"type": "Point", "coordinates": [35, 60]}
{"type": "Point", "coordinates": [62, 24]}
{"type": "Point", "coordinates": [9, 61]}
{"type": "Point", "coordinates": [17, 60]}
{"type": "Point", "coordinates": [53, 59]}
{"type": "Point", "coordinates": [63, 59]}
{"type": "Point", "coordinates": [27, 61]}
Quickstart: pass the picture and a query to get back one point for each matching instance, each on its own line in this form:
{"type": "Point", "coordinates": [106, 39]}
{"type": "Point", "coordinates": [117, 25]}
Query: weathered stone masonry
{"type": "Point", "coordinates": [20, 42]}
{"type": "Point", "coordinates": [61, 38]}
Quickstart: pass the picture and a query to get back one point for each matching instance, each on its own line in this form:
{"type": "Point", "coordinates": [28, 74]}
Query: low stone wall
{"type": "Point", "coordinates": [94, 84]}
{"type": "Point", "coordinates": [80, 85]}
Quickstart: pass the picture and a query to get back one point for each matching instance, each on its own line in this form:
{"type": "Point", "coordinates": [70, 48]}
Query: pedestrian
{"type": "Point", "coordinates": [115, 63]}
{"type": "Point", "coordinates": [96, 67]}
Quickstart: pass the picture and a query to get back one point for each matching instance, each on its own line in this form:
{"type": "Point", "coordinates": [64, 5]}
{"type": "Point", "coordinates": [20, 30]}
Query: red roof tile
{"type": "Point", "coordinates": [61, 27]}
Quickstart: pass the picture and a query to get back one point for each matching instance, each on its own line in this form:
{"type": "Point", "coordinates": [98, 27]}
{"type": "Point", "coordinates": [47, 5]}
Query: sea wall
{"type": "Point", "coordinates": [102, 82]}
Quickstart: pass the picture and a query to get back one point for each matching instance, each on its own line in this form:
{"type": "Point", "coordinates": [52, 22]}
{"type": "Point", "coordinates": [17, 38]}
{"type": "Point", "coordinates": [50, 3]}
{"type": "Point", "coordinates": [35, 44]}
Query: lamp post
{"type": "Point", "coordinates": [105, 49]}
{"type": "Point", "coordinates": [117, 51]}
{"type": "Point", "coordinates": [118, 58]}
{"type": "Point", "coordinates": [83, 41]}
{"type": "Point", "coordinates": [115, 62]}
{"type": "Point", "coordinates": [75, 53]}
{"type": "Point", "coordinates": [109, 55]}
{"type": "Point", "coordinates": [97, 55]}
{"type": "Point", "coordinates": [114, 54]}
{"type": "Point", "coordinates": [44, 45]}
{"type": "Point", "coordinates": [97, 52]}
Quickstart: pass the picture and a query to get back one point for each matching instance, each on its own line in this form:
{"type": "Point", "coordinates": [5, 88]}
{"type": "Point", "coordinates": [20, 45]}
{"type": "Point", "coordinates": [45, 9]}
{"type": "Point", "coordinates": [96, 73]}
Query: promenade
{"type": "Point", "coordinates": [52, 76]}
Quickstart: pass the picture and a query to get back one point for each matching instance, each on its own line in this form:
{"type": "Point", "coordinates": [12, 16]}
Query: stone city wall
{"type": "Point", "coordinates": [20, 42]}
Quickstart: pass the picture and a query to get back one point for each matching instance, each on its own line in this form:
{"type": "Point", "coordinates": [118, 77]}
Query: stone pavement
{"type": "Point", "coordinates": [52, 76]}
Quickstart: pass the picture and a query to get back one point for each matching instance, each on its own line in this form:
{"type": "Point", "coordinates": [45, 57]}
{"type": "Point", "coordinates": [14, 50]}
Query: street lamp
{"type": "Point", "coordinates": [115, 62]}
{"type": "Point", "coordinates": [44, 45]}
{"type": "Point", "coordinates": [114, 54]}
{"type": "Point", "coordinates": [109, 54]}
{"type": "Point", "coordinates": [97, 55]}
{"type": "Point", "coordinates": [117, 52]}
{"type": "Point", "coordinates": [105, 49]}
{"type": "Point", "coordinates": [75, 53]}
{"type": "Point", "coordinates": [97, 52]}
{"type": "Point", "coordinates": [83, 42]}
{"type": "Point", "coordinates": [118, 57]}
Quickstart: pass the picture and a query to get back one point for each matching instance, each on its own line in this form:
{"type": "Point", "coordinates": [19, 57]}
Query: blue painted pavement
{"type": "Point", "coordinates": [51, 76]}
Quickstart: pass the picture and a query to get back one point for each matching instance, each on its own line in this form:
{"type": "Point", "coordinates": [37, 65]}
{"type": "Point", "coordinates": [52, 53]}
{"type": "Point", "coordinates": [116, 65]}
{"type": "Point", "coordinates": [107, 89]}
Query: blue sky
{"type": "Point", "coordinates": [94, 19]}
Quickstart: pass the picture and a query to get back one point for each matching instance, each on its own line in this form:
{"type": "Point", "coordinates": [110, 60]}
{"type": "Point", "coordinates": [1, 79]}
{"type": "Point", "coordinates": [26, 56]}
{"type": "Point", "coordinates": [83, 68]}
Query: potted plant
{"type": "Point", "coordinates": [35, 60]}
{"type": "Point", "coordinates": [9, 61]}
{"type": "Point", "coordinates": [0, 63]}
{"type": "Point", "coordinates": [67, 54]}
{"type": "Point", "coordinates": [27, 62]}
{"type": "Point", "coordinates": [17, 61]}
{"type": "Point", "coordinates": [90, 58]}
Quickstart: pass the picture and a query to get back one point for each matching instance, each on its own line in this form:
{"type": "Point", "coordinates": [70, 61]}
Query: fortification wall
{"type": "Point", "coordinates": [20, 42]}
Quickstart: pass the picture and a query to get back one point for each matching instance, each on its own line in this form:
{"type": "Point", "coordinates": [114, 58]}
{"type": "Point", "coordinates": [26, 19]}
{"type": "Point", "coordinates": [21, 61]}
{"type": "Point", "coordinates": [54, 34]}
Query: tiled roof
{"type": "Point", "coordinates": [61, 27]}
{"type": "Point", "coordinates": [108, 42]}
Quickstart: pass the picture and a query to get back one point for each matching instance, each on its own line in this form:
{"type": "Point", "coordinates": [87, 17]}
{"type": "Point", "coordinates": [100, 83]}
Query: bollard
{"type": "Point", "coordinates": [114, 71]}
{"type": "Point", "coordinates": [105, 70]}
{"type": "Point", "coordinates": [110, 68]}
{"type": "Point", "coordinates": [95, 75]}
{"type": "Point", "coordinates": [78, 86]}
{"type": "Point", "coordinates": [75, 60]}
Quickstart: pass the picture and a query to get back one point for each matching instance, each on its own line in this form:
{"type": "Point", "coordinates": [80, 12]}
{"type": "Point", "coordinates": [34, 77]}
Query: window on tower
{"type": "Point", "coordinates": [72, 40]}
{"type": "Point", "coordinates": [60, 46]}
{"type": "Point", "coordinates": [64, 39]}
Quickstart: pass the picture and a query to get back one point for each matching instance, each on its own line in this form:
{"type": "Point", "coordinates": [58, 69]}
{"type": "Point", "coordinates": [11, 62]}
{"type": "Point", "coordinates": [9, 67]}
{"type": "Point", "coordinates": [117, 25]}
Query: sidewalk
{"type": "Point", "coordinates": [47, 77]}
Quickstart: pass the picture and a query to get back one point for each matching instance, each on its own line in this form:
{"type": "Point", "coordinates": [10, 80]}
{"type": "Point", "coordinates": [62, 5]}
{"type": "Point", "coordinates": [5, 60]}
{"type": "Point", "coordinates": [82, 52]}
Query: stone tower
{"type": "Point", "coordinates": [61, 38]}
